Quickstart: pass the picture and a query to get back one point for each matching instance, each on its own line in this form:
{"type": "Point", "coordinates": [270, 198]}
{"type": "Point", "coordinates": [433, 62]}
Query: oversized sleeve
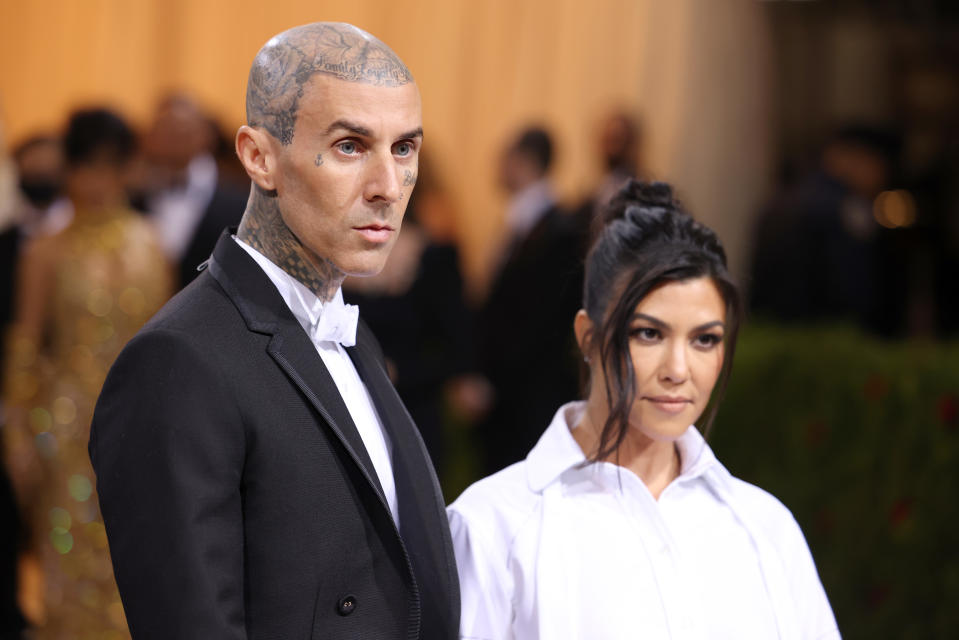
{"type": "Point", "coordinates": [485, 582]}
{"type": "Point", "coordinates": [812, 605]}
{"type": "Point", "coordinates": [167, 444]}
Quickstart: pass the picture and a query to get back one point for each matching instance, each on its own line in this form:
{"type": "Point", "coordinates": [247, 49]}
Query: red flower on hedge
{"type": "Point", "coordinates": [816, 432]}
{"type": "Point", "coordinates": [949, 411]}
{"type": "Point", "coordinates": [876, 387]}
{"type": "Point", "coordinates": [901, 512]}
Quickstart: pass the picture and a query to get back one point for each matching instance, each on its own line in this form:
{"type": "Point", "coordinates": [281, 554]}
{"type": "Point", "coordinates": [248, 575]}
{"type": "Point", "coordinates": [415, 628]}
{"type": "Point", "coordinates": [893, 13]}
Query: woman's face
{"type": "Point", "coordinates": [676, 346]}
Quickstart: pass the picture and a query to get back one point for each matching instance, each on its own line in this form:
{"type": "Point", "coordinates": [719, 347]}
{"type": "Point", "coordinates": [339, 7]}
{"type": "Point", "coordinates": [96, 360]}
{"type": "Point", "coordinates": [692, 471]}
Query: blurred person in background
{"type": "Point", "coordinates": [619, 154]}
{"type": "Point", "coordinates": [11, 529]}
{"type": "Point", "coordinates": [621, 522]}
{"type": "Point", "coordinates": [417, 310]}
{"type": "Point", "coordinates": [526, 346]}
{"type": "Point", "coordinates": [816, 252]}
{"type": "Point", "coordinates": [35, 206]}
{"type": "Point", "coordinates": [184, 195]}
{"type": "Point", "coordinates": [81, 294]}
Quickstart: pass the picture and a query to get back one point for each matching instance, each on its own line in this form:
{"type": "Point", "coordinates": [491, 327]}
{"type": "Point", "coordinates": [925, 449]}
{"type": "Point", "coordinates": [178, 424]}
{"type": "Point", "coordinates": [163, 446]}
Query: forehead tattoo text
{"type": "Point", "coordinates": [287, 62]}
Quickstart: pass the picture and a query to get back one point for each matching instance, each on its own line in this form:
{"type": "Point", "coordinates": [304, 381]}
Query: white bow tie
{"type": "Point", "coordinates": [337, 323]}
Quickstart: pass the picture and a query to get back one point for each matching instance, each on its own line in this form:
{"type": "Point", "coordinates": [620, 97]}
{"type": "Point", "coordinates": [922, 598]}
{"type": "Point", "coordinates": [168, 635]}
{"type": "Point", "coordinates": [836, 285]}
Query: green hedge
{"type": "Point", "coordinates": [860, 439]}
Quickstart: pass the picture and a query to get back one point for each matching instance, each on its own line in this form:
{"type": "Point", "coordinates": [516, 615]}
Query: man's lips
{"type": "Point", "coordinates": [669, 404]}
{"type": "Point", "coordinates": [376, 233]}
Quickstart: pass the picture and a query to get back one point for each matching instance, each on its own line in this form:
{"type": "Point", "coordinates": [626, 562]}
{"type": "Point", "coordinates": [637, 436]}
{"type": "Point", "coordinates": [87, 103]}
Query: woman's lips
{"type": "Point", "coordinates": [669, 404]}
{"type": "Point", "coordinates": [375, 233]}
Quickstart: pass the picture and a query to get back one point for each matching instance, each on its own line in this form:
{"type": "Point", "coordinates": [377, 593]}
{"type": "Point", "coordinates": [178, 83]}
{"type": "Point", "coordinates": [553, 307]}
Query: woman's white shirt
{"type": "Point", "coordinates": [548, 548]}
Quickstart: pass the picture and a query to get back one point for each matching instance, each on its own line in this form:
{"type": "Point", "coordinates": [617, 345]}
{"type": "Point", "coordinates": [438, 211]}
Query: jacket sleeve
{"type": "Point", "coordinates": [167, 444]}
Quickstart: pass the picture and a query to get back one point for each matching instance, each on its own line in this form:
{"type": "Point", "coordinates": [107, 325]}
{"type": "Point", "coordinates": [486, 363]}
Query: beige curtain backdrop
{"type": "Point", "coordinates": [694, 70]}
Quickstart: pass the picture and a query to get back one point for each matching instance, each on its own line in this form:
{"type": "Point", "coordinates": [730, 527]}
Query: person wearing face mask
{"type": "Point", "coordinates": [621, 522]}
{"type": "Point", "coordinates": [81, 293]}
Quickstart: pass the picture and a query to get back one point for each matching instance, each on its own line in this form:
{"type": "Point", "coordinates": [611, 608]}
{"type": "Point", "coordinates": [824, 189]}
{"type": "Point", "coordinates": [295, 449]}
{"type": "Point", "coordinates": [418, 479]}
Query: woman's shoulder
{"type": "Point", "coordinates": [767, 512]}
{"type": "Point", "coordinates": [498, 504]}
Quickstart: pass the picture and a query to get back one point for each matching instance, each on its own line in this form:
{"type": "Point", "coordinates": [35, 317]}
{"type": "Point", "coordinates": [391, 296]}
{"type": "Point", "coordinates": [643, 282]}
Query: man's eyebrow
{"type": "Point", "coordinates": [415, 133]}
{"type": "Point", "coordinates": [352, 127]}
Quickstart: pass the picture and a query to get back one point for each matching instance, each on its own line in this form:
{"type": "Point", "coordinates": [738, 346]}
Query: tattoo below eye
{"type": "Point", "coordinates": [409, 179]}
{"type": "Point", "coordinates": [319, 159]}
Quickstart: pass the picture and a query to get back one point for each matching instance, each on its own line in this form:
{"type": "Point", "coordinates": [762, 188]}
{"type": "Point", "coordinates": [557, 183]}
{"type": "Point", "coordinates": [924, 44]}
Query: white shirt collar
{"type": "Point", "coordinates": [335, 320]}
{"type": "Point", "coordinates": [557, 451]}
{"type": "Point", "coordinates": [528, 206]}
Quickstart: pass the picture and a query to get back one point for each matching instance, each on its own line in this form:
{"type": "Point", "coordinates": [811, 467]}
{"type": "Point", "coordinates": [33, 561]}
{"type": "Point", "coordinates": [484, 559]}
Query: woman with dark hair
{"type": "Point", "coordinates": [81, 294]}
{"type": "Point", "coordinates": [621, 523]}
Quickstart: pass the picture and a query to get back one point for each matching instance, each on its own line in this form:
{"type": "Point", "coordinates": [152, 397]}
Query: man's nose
{"type": "Point", "coordinates": [383, 180]}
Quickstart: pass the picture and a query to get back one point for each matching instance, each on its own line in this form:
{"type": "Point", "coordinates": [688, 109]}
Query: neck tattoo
{"type": "Point", "coordinates": [262, 228]}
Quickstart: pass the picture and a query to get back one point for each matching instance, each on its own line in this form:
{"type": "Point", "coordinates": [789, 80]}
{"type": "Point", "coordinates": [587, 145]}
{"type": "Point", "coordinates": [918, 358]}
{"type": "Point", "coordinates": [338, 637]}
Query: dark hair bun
{"type": "Point", "coordinates": [650, 194]}
{"type": "Point", "coordinates": [648, 197]}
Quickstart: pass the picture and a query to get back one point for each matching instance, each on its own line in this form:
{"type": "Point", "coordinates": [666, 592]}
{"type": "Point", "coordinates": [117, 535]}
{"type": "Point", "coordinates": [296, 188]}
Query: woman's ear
{"type": "Point", "coordinates": [583, 328]}
{"type": "Point", "coordinates": [256, 150]}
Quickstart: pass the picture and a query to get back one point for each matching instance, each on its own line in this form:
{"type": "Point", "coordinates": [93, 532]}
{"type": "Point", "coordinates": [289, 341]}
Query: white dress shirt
{"type": "Point", "coordinates": [176, 213]}
{"type": "Point", "coordinates": [550, 549]}
{"type": "Point", "coordinates": [307, 308]}
{"type": "Point", "coordinates": [528, 206]}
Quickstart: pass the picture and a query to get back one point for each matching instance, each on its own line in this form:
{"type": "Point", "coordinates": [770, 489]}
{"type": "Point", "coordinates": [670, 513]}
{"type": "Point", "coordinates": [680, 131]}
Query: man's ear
{"type": "Point", "coordinates": [257, 151]}
{"type": "Point", "coordinates": [583, 328]}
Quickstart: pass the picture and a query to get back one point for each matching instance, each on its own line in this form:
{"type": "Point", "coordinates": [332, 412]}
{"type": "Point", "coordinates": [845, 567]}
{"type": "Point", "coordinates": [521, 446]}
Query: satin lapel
{"type": "Point", "coordinates": [423, 523]}
{"type": "Point", "coordinates": [297, 356]}
{"type": "Point", "coordinates": [265, 312]}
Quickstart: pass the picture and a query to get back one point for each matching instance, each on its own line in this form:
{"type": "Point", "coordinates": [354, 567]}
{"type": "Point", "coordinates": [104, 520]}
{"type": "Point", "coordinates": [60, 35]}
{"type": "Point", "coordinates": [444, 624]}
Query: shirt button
{"type": "Point", "coordinates": [346, 605]}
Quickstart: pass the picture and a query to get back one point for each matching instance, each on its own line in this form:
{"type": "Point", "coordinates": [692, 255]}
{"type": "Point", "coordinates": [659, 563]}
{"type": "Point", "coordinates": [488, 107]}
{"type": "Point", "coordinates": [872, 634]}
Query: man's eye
{"type": "Point", "coordinates": [404, 149]}
{"type": "Point", "coordinates": [349, 148]}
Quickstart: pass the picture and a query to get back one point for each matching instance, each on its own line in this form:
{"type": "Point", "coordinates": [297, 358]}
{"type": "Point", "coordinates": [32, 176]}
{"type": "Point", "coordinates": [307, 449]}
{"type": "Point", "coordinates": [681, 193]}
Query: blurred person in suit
{"type": "Point", "coordinates": [817, 252]}
{"type": "Point", "coordinates": [417, 310]}
{"type": "Point", "coordinates": [249, 437]}
{"type": "Point", "coordinates": [185, 196]}
{"type": "Point", "coordinates": [81, 294]}
{"type": "Point", "coordinates": [526, 346]}
{"type": "Point", "coordinates": [618, 149]}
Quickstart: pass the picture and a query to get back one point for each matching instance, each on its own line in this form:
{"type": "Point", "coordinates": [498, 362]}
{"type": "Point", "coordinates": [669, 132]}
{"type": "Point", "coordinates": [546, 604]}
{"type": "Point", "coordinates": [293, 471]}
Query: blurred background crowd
{"type": "Point", "coordinates": [820, 139]}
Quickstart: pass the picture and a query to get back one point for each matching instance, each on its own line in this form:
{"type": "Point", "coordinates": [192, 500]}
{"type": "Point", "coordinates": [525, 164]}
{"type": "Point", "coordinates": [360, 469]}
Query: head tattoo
{"type": "Point", "coordinates": [285, 64]}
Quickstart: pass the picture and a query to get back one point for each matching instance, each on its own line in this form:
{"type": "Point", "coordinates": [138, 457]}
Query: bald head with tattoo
{"type": "Point", "coordinates": [333, 133]}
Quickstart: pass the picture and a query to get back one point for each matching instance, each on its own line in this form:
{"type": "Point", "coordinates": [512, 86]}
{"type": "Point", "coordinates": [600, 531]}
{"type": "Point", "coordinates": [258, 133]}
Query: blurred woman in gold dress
{"type": "Point", "coordinates": [82, 293]}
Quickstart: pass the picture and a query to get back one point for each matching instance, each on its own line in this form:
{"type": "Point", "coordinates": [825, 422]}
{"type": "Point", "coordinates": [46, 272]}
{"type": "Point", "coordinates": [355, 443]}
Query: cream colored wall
{"type": "Point", "coordinates": [694, 69]}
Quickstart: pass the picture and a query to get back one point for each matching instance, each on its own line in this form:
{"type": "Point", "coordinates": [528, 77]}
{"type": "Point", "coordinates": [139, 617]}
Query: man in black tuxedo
{"type": "Point", "coordinates": [258, 475]}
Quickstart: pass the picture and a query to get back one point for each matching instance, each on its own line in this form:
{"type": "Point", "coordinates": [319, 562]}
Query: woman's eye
{"type": "Point", "coordinates": [347, 147]}
{"type": "Point", "coordinates": [404, 149]}
{"type": "Point", "coordinates": [708, 340]}
{"type": "Point", "coordinates": [646, 334]}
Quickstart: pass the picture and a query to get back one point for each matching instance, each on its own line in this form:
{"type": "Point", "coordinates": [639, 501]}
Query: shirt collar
{"type": "Point", "coordinates": [528, 206]}
{"type": "Point", "coordinates": [332, 321]}
{"type": "Point", "coordinates": [557, 451]}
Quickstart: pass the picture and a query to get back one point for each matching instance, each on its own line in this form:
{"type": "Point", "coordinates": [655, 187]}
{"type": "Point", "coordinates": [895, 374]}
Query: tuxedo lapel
{"type": "Point", "coordinates": [265, 312]}
{"type": "Point", "coordinates": [297, 356]}
{"type": "Point", "coordinates": [423, 523]}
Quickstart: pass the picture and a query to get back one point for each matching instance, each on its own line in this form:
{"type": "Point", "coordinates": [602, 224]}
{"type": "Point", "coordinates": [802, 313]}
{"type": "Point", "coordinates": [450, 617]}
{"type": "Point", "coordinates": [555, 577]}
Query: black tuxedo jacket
{"type": "Point", "coordinates": [238, 497]}
{"type": "Point", "coordinates": [224, 210]}
{"type": "Point", "coordinates": [528, 351]}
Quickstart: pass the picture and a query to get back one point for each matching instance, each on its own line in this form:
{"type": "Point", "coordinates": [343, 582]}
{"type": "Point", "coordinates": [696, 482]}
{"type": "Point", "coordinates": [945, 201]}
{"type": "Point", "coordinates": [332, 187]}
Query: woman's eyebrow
{"type": "Point", "coordinates": [650, 319]}
{"type": "Point", "coordinates": [663, 325]}
{"type": "Point", "coordinates": [710, 325]}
